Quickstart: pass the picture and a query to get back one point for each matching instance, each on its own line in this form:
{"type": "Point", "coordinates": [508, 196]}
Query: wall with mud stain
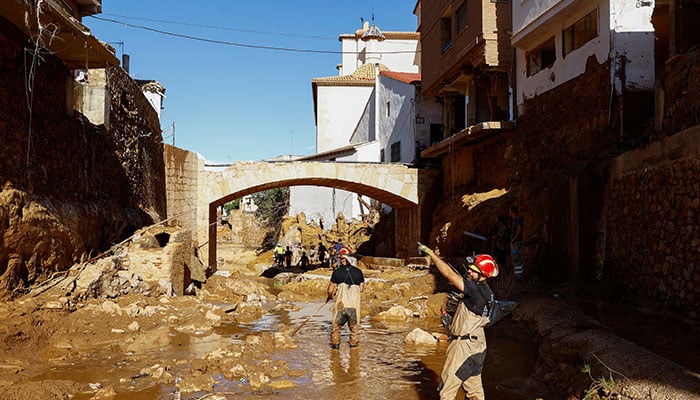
{"type": "Point", "coordinates": [69, 187]}
{"type": "Point", "coordinates": [639, 229]}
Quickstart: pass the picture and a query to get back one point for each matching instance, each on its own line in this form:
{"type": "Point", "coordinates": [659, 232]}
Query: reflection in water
{"type": "Point", "coordinates": [345, 369]}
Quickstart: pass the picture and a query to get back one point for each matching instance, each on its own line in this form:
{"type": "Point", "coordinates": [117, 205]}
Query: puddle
{"type": "Point", "coordinates": [383, 366]}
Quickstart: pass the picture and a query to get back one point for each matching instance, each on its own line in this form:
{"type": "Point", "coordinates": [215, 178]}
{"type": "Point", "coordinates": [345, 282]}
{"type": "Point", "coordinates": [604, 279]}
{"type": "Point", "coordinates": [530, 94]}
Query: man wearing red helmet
{"type": "Point", "coordinates": [466, 352]}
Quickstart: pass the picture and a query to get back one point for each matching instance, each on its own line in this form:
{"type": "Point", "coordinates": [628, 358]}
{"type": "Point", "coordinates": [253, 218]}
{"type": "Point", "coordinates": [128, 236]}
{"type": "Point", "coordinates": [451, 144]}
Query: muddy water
{"type": "Point", "coordinates": [382, 367]}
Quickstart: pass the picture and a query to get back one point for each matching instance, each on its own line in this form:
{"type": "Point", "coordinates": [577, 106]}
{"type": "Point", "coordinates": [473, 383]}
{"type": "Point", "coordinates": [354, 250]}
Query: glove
{"type": "Point", "coordinates": [424, 250]}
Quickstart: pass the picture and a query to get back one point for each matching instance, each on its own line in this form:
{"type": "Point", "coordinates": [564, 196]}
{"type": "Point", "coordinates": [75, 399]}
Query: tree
{"type": "Point", "coordinates": [272, 205]}
{"type": "Point", "coordinates": [232, 205]}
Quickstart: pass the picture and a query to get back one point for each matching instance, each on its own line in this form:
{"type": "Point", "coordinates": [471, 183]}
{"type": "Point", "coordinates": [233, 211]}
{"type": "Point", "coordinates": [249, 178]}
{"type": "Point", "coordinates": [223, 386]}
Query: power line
{"type": "Point", "coordinates": [246, 45]}
{"type": "Point", "coordinates": [223, 27]}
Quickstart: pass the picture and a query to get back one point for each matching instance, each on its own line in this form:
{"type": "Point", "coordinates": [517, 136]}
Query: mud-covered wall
{"type": "Point", "coordinates": [560, 137]}
{"type": "Point", "coordinates": [679, 89]}
{"type": "Point", "coordinates": [134, 127]}
{"type": "Point", "coordinates": [637, 230]}
{"type": "Point", "coordinates": [653, 231]}
{"type": "Point", "coordinates": [69, 188]}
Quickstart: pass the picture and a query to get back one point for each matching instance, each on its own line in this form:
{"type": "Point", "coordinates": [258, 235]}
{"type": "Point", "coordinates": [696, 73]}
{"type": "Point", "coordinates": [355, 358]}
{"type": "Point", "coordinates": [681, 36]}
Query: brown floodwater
{"type": "Point", "coordinates": [382, 367]}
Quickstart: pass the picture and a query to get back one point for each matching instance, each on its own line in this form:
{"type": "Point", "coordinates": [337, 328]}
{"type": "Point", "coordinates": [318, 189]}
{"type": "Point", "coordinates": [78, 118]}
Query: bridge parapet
{"type": "Point", "coordinates": [396, 185]}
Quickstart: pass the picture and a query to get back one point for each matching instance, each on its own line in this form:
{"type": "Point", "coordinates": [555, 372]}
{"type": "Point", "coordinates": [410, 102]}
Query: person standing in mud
{"type": "Point", "coordinates": [288, 257]}
{"type": "Point", "coordinates": [279, 255]}
{"type": "Point", "coordinates": [347, 282]}
{"type": "Point", "coordinates": [321, 253]}
{"type": "Point", "coordinates": [465, 355]}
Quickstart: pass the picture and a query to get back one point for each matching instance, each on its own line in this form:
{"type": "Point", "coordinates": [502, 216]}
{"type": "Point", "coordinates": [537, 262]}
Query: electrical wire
{"type": "Point", "coordinates": [301, 35]}
{"type": "Point", "coordinates": [245, 45]}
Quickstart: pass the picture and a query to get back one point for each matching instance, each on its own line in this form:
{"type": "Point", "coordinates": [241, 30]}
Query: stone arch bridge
{"type": "Point", "coordinates": [400, 186]}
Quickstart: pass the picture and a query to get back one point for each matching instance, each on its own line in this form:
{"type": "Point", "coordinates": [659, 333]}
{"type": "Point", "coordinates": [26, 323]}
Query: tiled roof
{"type": "Point", "coordinates": [405, 77]}
{"type": "Point", "coordinates": [150, 86]}
{"type": "Point", "coordinates": [363, 76]}
{"type": "Point", "coordinates": [387, 35]}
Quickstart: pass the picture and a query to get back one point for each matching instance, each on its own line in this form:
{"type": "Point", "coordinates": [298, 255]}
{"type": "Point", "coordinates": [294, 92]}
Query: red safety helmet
{"type": "Point", "coordinates": [484, 264]}
{"type": "Point", "coordinates": [343, 252]}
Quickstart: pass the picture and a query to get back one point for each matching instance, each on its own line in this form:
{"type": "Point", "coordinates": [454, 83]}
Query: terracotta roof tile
{"type": "Point", "coordinates": [363, 76]}
{"type": "Point", "coordinates": [405, 77]}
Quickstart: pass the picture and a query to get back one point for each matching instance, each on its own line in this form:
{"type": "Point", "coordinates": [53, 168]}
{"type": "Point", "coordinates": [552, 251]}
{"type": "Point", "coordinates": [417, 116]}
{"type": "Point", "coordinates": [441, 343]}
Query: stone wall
{"type": "Point", "coordinates": [69, 188]}
{"type": "Point", "coordinates": [653, 233]}
{"type": "Point", "coordinates": [162, 256]}
{"type": "Point", "coordinates": [679, 86]}
{"type": "Point", "coordinates": [134, 128]}
{"type": "Point", "coordinates": [181, 174]}
{"type": "Point", "coordinates": [631, 219]}
{"type": "Point", "coordinates": [242, 229]}
{"type": "Point", "coordinates": [556, 142]}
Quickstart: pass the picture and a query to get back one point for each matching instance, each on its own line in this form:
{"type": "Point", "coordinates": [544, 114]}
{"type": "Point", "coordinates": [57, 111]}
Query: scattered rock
{"type": "Point", "coordinates": [420, 337]}
{"type": "Point", "coordinates": [395, 313]}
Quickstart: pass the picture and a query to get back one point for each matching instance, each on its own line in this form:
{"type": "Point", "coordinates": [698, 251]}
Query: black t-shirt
{"type": "Point", "coordinates": [477, 297]}
{"type": "Point", "coordinates": [347, 274]}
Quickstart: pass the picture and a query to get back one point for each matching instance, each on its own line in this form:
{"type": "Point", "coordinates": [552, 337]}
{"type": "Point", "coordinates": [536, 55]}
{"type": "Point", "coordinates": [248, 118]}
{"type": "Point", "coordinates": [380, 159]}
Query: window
{"type": "Point", "coordinates": [462, 17]}
{"type": "Point", "coordinates": [581, 32]}
{"type": "Point", "coordinates": [388, 109]}
{"type": "Point", "coordinates": [541, 57]}
{"type": "Point", "coordinates": [445, 33]}
{"type": "Point", "coordinates": [396, 152]}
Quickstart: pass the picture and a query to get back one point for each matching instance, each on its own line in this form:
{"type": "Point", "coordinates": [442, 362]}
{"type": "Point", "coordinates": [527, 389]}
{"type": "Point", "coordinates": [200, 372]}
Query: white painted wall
{"type": "Point", "coordinates": [344, 115]}
{"type": "Point", "coordinates": [544, 19]}
{"type": "Point", "coordinates": [398, 55]}
{"type": "Point", "coordinates": [367, 152]}
{"type": "Point", "coordinates": [156, 100]}
{"type": "Point", "coordinates": [633, 40]}
{"type": "Point", "coordinates": [398, 125]}
{"type": "Point", "coordinates": [338, 111]}
{"type": "Point", "coordinates": [624, 31]}
{"type": "Point", "coordinates": [323, 203]}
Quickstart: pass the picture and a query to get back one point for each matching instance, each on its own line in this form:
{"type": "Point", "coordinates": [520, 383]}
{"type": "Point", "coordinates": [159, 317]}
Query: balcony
{"type": "Point", "coordinates": [71, 41]}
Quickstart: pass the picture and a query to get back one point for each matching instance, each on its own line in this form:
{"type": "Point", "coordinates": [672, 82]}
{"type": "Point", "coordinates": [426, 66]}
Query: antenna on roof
{"type": "Point", "coordinates": [372, 14]}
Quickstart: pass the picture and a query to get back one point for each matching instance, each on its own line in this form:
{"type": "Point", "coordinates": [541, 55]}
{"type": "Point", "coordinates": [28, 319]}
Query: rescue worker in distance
{"type": "Point", "coordinates": [466, 352]}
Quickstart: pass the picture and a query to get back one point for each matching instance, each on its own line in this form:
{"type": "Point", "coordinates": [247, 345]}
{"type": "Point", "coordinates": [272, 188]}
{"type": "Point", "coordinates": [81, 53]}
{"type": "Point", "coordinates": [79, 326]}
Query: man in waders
{"type": "Point", "coordinates": [347, 282]}
{"type": "Point", "coordinates": [466, 352]}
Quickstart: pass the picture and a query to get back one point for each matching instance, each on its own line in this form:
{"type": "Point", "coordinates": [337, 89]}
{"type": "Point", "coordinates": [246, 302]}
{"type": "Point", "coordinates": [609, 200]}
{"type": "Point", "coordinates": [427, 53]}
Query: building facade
{"type": "Point", "coordinates": [361, 114]}
{"type": "Point", "coordinates": [466, 63]}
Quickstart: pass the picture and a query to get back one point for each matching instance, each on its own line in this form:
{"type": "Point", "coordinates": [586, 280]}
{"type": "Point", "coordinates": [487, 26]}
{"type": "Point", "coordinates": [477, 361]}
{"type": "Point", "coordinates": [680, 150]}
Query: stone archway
{"type": "Point", "coordinates": [393, 184]}
{"type": "Point", "coordinates": [195, 190]}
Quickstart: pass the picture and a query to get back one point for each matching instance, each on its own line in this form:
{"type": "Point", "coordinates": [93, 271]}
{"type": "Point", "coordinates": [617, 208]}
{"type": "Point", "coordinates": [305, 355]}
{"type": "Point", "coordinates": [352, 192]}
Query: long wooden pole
{"type": "Point", "coordinates": [309, 317]}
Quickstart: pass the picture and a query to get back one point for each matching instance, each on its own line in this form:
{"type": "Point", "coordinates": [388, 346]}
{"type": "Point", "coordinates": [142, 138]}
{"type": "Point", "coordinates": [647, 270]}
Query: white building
{"type": "Point", "coordinates": [360, 118]}
{"type": "Point", "coordinates": [154, 92]}
{"type": "Point", "coordinates": [554, 39]}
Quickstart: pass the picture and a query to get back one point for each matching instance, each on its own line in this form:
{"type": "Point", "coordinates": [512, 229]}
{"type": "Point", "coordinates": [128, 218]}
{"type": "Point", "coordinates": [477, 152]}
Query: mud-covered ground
{"type": "Point", "coordinates": [246, 336]}
{"type": "Point", "coordinates": [157, 346]}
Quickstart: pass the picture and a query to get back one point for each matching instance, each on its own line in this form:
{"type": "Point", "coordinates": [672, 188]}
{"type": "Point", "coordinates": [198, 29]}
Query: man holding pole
{"type": "Point", "coordinates": [466, 352]}
{"type": "Point", "coordinates": [347, 282]}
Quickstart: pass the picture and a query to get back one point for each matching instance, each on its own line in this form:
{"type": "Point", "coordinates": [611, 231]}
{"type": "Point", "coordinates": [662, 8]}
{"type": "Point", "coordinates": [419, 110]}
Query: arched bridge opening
{"type": "Point", "coordinates": [396, 185]}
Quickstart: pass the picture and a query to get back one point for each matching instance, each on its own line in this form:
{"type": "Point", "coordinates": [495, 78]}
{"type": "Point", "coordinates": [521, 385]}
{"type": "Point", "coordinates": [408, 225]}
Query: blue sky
{"type": "Point", "coordinates": [232, 103]}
